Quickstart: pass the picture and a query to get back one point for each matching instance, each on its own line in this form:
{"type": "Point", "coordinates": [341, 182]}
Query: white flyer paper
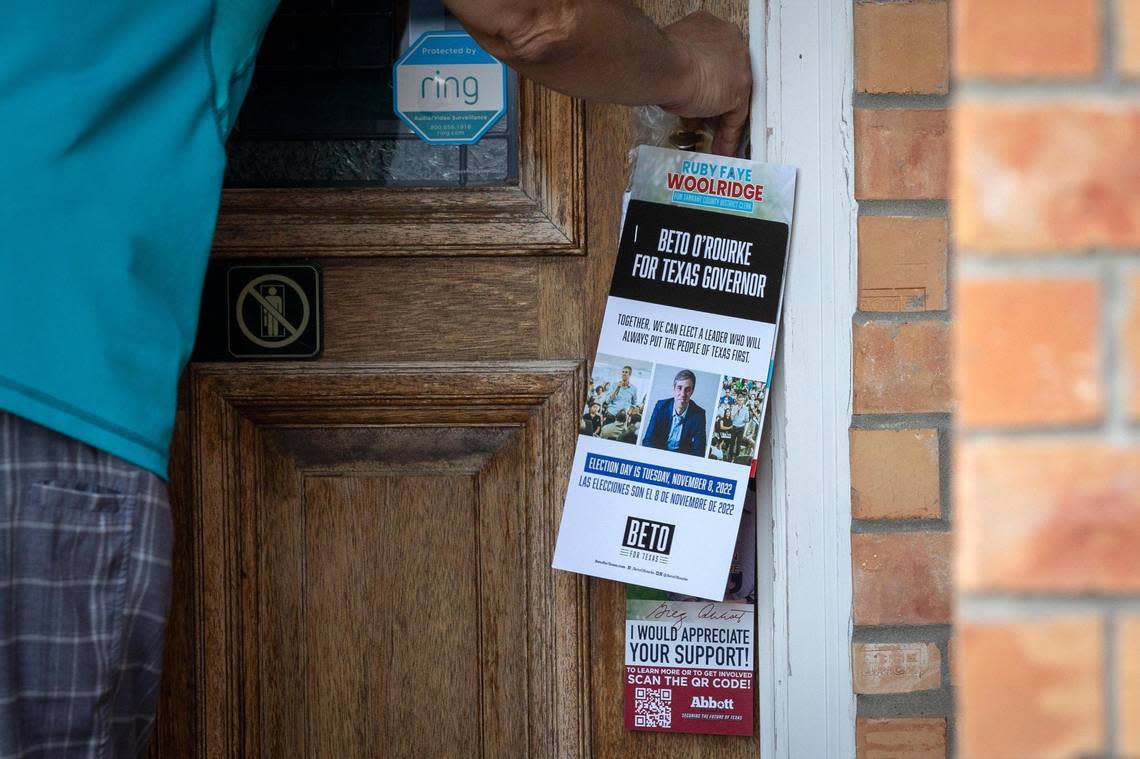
{"type": "Point", "coordinates": [680, 380]}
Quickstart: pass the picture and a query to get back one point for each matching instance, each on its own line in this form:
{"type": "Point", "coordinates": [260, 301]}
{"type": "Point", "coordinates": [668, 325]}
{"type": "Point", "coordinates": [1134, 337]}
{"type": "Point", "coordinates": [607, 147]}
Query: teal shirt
{"type": "Point", "coordinates": [114, 116]}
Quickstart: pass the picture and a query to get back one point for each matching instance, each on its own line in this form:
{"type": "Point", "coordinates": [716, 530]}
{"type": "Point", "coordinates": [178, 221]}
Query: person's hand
{"type": "Point", "coordinates": [718, 84]}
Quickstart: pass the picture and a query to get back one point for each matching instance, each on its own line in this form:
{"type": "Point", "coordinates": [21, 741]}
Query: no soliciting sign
{"type": "Point", "coordinates": [261, 311]}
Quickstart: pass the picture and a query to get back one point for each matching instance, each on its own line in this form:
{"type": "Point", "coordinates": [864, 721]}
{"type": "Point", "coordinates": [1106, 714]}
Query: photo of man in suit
{"type": "Point", "coordinates": [678, 423]}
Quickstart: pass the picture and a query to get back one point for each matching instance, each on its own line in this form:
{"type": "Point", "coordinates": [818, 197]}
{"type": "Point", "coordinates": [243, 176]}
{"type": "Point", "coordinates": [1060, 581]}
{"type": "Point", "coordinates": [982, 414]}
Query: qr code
{"type": "Point", "coordinates": [652, 707]}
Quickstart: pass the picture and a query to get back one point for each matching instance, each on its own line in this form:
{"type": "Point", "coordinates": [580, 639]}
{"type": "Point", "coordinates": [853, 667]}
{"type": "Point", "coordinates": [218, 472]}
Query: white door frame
{"type": "Point", "coordinates": [802, 57]}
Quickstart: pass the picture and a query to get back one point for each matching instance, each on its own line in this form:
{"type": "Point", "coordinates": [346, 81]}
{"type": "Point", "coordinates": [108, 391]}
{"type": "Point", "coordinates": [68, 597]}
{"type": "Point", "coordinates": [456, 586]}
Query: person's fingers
{"type": "Point", "coordinates": [729, 128]}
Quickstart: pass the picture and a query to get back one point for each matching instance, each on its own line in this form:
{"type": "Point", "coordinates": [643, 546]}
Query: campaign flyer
{"type": "Point", "coordinates": [679, 383]}
{"type": "Point", "coordinates": [689, 663]}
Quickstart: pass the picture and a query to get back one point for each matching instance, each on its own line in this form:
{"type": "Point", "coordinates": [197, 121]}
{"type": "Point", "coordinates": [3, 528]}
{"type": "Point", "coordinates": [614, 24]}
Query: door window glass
{"type": "Point", "coordinates": [319, 109]}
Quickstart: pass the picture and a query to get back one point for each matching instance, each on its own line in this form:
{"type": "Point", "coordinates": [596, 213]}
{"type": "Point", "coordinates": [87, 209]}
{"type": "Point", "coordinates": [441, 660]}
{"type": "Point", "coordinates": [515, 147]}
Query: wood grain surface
{"type": "Point", "coordinates": [363, 547]}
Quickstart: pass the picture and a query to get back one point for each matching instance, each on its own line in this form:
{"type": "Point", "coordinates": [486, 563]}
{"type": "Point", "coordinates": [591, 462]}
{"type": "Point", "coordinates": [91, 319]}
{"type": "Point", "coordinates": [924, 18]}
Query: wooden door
{"type": "Point", "coordinates": [363, 547]}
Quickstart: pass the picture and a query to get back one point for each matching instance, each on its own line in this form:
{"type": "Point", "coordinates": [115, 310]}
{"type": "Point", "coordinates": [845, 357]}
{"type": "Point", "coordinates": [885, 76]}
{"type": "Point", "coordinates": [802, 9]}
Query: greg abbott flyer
{"type": "Point", "coordinates": [689, 664]}
{"type": "Point", "coordinates": [680, 381]}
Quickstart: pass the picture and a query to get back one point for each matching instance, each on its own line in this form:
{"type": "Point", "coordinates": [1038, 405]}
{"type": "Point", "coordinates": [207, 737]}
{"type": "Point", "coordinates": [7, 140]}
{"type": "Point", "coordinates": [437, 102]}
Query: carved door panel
{"type": "Point", "coordinates": [362, 565]}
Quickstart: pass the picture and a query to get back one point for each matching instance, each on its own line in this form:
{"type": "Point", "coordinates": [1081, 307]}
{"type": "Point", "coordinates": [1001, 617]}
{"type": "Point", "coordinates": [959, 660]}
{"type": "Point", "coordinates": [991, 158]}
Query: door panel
{"type": "Point", "coordinates": [369, 539]}
{"type": "Point", "coordinates": [362, 562]}
{"type": "Point", "coordinates": [453, 309]}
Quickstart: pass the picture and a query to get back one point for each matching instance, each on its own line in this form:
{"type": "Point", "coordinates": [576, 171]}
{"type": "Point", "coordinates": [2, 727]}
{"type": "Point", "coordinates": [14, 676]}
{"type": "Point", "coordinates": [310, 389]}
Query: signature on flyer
{"type": "Point", "coordinates": [710, 612]}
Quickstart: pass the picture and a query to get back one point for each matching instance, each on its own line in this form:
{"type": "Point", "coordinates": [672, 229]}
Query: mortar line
{"type": "Point", "coordinates": [901, 421]}
{"type": "Point", "coordinates": [1046, 94]}
{"type": "Point", "coordinates": [922, 208]}
{"type": "Point", "coordinates": [938, 633]}
{"type": "Point", "coordinates": [1111, 718]}
{"type": "Point", "coordinates": [868, 101]}
{"type": "Point", "coordinates": [951, 266]}
{"type": "Point", "coordinates": [1112, 315]}
{"type": "Point", "coordinates": [1109, 49]}
{"type": "Point", "coordinates": [1129, 434]}
{"type": "Point", "coordinates": [923, 703]}
{"type": "Point", "coordinates": [889, 526]}
{"type": "Point", "coordinates": [998, 606]}
{"type": "Point", "coordinates": [1052, 267]}
{"type": "Point", "coordinates": [945, 470]}
{"type": "Point", "coordinates": [862, 318]}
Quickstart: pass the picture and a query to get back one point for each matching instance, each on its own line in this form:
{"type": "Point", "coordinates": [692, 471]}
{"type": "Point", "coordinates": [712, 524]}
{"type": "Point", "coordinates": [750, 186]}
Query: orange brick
{"type": "Point", "coordinates": [902, 47]}
{"type": "Point", "coordinates": [894, 474]}
{"type": "Point", "coordinates": [902, 367]}
{"type": "Point", "coordinates": [896, 667]}
{"type": "Point", "coordinates": [1128, 27]}
{"type": "Point", "coordinates": [900, 738]}
{"type": "Point", "coordinates": [1128, 683]}
{"type": "Point", "coordinates": [1054, 177]}
{"type": "Point", "coordinates": [902, 263]}
{"type": "Point", "coordinates": [1017, 39]}
{"type": "Point", "coordinates": [901, 578]}
{"type": "Point", "coordinates": [901, 153]}
{"type": "Point", "coordinates": [1030, 688]}
{"type": "Point", "coordinates": [1131, 342]}
{"type": "Point", "coordinates": [1025, 352]}
{"type": "Point", "coordinates": [1048, 516]}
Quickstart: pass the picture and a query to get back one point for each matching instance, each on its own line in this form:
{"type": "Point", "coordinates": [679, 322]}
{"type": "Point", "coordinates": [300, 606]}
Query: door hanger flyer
{"type": "Point", "coordinates": [689, 664]}
{"type": "Point", "coordinates": [680, 380]}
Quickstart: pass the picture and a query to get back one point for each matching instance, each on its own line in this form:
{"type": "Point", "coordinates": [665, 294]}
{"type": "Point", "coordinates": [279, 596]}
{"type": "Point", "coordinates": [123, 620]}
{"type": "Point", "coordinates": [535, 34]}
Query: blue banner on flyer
{"type": "Point", "coordinates": [678, 479]}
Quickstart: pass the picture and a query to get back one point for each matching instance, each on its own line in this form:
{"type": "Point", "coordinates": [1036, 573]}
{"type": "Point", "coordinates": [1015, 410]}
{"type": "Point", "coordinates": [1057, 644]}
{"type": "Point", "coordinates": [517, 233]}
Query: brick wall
{"type": "Point", "coordinates": [900, 435]}
{"type": "Point", "coordinates": [1046, 211]}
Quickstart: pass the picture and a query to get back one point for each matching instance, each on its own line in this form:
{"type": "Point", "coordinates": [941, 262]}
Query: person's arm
{"type": "Point", "coordinates": [609, 51]}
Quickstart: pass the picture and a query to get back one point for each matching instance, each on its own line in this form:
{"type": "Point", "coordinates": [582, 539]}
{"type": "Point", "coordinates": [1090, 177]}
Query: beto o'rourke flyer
{"type": "Point", "coordinates": [680, 381]}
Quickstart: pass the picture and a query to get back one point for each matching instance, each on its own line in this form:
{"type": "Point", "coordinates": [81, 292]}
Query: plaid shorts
{"type": "Point", "coordinates": [84, 591]}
